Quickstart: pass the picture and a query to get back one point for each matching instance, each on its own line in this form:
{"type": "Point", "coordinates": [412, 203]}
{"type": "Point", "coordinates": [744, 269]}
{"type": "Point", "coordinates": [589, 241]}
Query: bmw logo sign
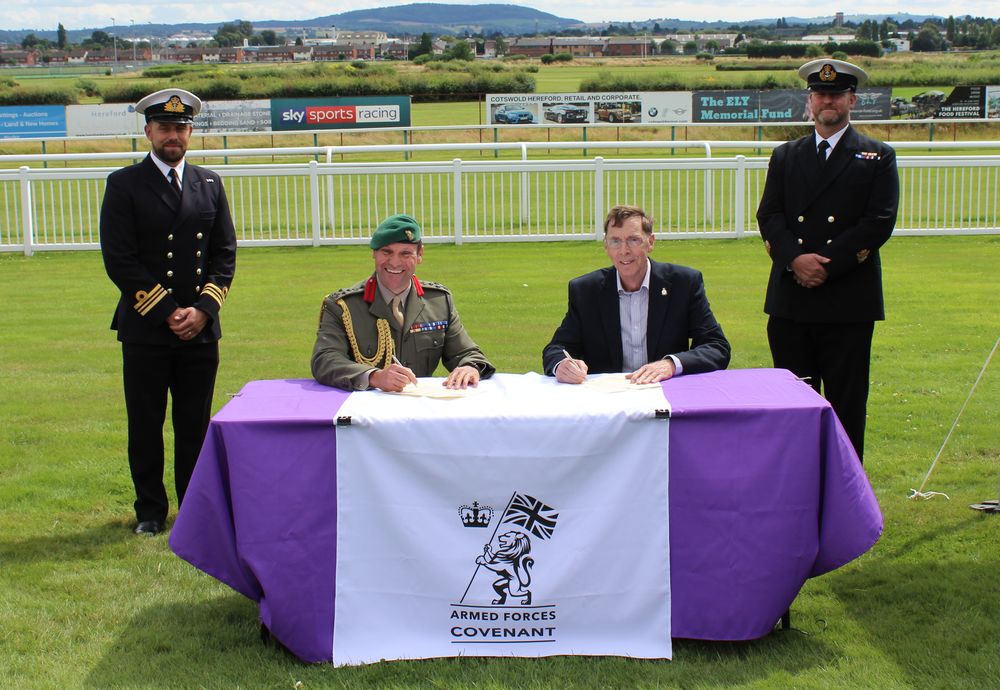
{"type": "Point", "coordinates": [653, 112]}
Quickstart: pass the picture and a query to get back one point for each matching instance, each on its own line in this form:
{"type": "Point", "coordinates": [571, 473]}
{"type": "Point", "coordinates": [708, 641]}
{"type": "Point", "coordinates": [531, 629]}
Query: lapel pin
{"type": "Point", "coordinates": [663, 292]}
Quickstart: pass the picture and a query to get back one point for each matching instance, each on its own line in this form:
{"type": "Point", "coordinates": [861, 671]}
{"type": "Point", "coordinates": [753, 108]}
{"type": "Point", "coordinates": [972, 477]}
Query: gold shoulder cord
{"type": "Point", "coordinates": [386, 348]}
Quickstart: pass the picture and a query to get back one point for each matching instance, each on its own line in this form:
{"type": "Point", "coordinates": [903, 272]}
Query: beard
{"type": "Point", "coordinates": [171, 155]}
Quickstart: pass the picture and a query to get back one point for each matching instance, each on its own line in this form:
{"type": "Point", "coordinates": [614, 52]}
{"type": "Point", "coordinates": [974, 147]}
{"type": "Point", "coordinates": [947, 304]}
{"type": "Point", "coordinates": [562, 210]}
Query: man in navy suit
{"type": "Point", "coordinates": [648, 319]}
{"type": "Point", "coordinates": [170, 247]}
{"type": "Point", "coordinates": [829, 203]}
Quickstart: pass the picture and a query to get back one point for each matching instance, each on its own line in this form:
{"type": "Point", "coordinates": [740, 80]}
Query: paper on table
{"type": "Point", "coordinates": [432, 388]}
{"type": "Point", "coordinates": [615, 384]}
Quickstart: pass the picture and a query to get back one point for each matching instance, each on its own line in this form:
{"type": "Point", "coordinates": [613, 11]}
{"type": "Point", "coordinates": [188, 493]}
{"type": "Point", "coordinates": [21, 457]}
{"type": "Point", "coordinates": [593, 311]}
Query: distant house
{"type": "Point", "coordinates": [584, 46]}
{"type": "Point", "coordinates": [394, 49]}
{"type": "Point", "coordinates": [531, 47]}
{"type": "Point", "coordinates": [343, 51]}
{"type": "Point", "coordinates": [899, 45]}
{"type": "Point", "coordinates": [18, 57]}
{"type": "Point", "coordinates": [623, 46]}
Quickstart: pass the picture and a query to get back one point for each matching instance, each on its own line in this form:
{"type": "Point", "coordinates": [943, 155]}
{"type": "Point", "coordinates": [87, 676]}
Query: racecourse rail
{"type": "Point", "coordinates": [318, 200]}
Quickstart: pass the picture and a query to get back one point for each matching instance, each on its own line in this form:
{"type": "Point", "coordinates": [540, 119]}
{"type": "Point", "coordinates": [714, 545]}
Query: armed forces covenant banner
{"type": "Point", "coordinates": [528, 518]}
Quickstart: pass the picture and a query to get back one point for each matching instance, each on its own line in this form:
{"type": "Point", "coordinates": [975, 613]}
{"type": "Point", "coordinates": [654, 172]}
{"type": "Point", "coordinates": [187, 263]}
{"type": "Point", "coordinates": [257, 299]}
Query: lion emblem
{"type": "Point", "coordinates": [513, 564]}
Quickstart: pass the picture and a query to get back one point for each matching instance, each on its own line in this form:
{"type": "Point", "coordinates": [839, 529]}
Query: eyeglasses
{"type": "Point", "coordinates": [633, 242]}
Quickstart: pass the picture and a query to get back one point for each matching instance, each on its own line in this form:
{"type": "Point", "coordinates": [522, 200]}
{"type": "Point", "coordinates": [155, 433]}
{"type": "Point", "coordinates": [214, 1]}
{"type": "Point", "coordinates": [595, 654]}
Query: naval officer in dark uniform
{"type": "Point", "coordinates": [829, 203]}
{"type": "Point", "coordinates": [169, 246]}
{"type": "Point", "coordinates": [390, 328]}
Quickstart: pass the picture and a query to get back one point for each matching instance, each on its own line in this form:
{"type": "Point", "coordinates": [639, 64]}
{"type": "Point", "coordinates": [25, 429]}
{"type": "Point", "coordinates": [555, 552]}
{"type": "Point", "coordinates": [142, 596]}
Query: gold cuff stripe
{"type": "Point", "coordinates": [145, 301]}
{"type": "Point", "coordinates": [215, 292]}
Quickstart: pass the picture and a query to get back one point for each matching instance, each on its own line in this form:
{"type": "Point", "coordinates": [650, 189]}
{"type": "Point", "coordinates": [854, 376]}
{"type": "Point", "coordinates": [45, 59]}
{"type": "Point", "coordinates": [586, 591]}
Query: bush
{"type": "Point", "coordinates": [548, 59]}
{"type": "Point", "coordinates": [89, 87]}
{"type": "Point", "coordinates": [840, 55]}
{"type": "Point", "coordinates": [707, 57]}
{"type": "Point", "coordinates": [34, 96]}
{"type": "Point", "coordinates": [563, 57]}
{"type": "Point", "coordinates": [129, 92]}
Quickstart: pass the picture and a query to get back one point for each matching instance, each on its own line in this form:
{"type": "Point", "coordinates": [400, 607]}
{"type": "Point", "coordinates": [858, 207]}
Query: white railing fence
{"type": "Point", "coordinates": [318, 203]}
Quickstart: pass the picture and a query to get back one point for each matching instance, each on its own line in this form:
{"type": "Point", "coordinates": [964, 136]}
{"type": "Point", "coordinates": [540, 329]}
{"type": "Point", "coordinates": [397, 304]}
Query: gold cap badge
{"type": "Point", "coordinates": [174, 105]}
{"type": "Point", "coordinates": [828, 73]}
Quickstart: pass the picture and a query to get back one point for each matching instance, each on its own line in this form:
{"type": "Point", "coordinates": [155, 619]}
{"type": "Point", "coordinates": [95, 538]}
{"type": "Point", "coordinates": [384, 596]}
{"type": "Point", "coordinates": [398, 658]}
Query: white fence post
{"type": "Point", "coordinates": [27, 212]}
{"type": "Point", "coordinates": [459, 206]}
{"type": "Point", "coordinates": [598, 197]}
{"type": "Point", "coordinates": [314, 201]}
{"type": "Point", "coordinates": [741, 196]}
{"type": "Point", "coordinates": [525, 203]}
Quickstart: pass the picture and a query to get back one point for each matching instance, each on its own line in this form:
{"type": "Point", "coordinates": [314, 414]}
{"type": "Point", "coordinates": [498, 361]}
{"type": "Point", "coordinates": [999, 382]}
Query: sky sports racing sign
{"type": "Point", "coordinates": [288, 114]}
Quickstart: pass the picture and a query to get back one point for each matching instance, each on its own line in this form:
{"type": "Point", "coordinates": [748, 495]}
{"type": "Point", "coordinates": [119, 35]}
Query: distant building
{"type": "Point", "coordinates": [361, 38]}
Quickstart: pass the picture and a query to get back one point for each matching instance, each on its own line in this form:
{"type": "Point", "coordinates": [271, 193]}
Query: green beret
{"type": "Point", "coordinates": [398, 228]}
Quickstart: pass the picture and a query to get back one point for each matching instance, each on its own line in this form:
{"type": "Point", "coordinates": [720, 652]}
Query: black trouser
{"type": "Point", "coordinates": [836, 357]}
{"type": "Point", "coordinates": [149, 372]}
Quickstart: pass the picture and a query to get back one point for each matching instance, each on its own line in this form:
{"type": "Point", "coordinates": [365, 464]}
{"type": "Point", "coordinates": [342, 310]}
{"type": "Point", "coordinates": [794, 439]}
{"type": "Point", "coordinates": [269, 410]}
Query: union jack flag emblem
{"type": "Point", "coordinates": [530, 514]}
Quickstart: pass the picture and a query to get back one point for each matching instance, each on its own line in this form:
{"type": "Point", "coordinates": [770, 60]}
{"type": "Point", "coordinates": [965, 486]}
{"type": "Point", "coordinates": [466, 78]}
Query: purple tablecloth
{"type": "Point", "coordinates": [765, 492]}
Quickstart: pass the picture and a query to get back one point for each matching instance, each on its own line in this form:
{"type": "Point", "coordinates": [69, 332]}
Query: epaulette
{"type": "Point", "coordinates": [344, 292]}
{"type": "Point", "coordinates": [431, 285]}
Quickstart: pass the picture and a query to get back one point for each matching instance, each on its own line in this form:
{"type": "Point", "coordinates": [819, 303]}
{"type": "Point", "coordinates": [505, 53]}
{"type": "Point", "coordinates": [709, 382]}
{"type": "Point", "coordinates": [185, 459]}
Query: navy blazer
{"type": "Point", "coordinates": [680, 322]}
{"type": "Point", "coordinates": [163, 252]}
{"type": "Point", "coordinates": [844, 210]}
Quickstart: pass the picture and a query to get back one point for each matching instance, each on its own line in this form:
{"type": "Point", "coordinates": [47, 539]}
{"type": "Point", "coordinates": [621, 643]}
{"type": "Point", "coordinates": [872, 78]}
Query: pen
{"type": "Point", "coordinates": [395, 359]}
{"type": "Point", "coordinates": [571, 360]}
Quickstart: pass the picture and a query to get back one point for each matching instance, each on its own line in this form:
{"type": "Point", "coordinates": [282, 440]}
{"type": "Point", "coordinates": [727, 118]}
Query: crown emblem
{"type": "Point", "coordinates": [828, 73]}
{"type": "Point", "coordinates": [475, 515]}
{"type": "Point", "coordinates": [174, 105]}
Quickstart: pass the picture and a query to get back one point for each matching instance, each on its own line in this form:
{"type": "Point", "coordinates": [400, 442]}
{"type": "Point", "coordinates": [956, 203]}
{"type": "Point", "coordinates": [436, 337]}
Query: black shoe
{"type": "Point", "coordinates": [149, 527]}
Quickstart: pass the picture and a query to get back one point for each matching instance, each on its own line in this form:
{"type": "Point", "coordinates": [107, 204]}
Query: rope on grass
{"type": "Point", "coordinates": [919, 493]}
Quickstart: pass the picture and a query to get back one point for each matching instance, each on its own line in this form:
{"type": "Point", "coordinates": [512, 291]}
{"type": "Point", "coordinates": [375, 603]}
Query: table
{"type": "Point", "coordinates": [765, 492]}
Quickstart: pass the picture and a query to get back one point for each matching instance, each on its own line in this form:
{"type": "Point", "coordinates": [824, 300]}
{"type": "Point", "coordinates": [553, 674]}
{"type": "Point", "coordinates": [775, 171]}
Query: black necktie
{"type": "Point", "coordinates": [175, 182]}
{"type": "Point", "coordinates": [821, 151]}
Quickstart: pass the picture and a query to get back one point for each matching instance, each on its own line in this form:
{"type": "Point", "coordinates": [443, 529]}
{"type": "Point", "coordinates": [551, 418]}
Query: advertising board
{"type": "Point", "coordinates": [106, 119]}
{"type": "Point", "coordinates": [23, 121]}
{"type": "Point", "coordinates": [339, 113]}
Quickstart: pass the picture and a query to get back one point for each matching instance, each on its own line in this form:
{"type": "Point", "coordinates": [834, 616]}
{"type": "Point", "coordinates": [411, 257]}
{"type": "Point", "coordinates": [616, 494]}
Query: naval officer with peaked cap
{"type": "Point", "coordinates": [169, 246]}
{"type": "Point", "coordinates": [829, 203]}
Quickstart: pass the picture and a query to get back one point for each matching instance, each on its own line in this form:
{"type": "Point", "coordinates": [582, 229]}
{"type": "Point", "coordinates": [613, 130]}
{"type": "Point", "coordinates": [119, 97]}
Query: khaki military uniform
{"type": "Point", "coordinates": [432, 333]}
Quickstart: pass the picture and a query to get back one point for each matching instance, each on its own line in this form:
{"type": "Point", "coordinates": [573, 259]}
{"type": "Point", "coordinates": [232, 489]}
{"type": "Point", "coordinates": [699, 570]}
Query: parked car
{"type": "Point", "coordinates": [615, 112]}
{"type": "Point", "coordinates": [567, 112]}
{"type": "Point", "coordinates": [511, 114]}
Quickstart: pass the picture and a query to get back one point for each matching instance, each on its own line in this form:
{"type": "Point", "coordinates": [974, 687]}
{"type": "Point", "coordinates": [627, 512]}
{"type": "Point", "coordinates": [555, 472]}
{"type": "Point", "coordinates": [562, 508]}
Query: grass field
{"type": "Point", "coordinates": [84, 603]}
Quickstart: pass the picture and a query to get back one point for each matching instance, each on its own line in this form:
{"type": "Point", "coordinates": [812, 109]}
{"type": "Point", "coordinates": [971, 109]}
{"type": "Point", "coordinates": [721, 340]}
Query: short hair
{"type": "Point", "coordinates": [619, 214]}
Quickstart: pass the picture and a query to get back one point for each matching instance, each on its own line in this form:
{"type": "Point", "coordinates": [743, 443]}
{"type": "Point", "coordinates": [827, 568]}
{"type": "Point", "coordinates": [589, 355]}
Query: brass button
{"type": "Point", "coordinates": [170, 238]}
{"type": "Point", "coordinates": [199, 235]}
{"type": "Point", "coordinates": [170, 274]}
{"type": "Point", "coordinates": [170, 291]}
{"type": "Point", "coordinates": [170, 255]}
{"type": "Point", "coordinates": [197, 288]}
{"type": "Point", "coordinates": [802, 219]}
{"type": "Point", "coordinates": [198, 272]}
{"type": "Point", "coordinates": [800, 240]}
{"type": "Point", "coordinates": [830, 219]}
{"type": "Point", "coordinates": [829, 241]}
{"type": "Point", "coordinates": [198, 253]}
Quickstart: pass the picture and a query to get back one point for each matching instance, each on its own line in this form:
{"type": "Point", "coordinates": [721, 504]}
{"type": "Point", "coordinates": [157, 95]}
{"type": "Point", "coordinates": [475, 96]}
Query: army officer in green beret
{"type": "Point", "coordinates": [389, 329]}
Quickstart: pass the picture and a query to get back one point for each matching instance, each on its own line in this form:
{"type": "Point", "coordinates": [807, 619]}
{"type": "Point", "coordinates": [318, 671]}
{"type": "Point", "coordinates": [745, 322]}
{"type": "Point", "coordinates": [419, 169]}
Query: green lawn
{"type": "Point", "coordinates": [84, 603]}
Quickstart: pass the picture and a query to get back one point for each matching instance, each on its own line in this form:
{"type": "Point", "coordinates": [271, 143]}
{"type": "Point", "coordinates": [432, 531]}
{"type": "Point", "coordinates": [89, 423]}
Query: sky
{"type": "Point", "coordinates": [87, 14]}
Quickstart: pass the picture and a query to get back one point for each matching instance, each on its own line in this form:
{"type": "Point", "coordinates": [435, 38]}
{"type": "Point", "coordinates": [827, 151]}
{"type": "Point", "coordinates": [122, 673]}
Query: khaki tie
{"type": "Point", "coordinates": [397, 311]}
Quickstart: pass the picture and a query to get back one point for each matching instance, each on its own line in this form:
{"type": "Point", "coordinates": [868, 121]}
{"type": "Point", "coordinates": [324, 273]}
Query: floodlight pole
{"type": "Point", "coordinates": [114, 38]}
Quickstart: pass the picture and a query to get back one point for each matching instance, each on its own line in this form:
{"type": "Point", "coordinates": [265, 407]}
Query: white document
{"type": "Point", "coordinates": [530, 519]}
